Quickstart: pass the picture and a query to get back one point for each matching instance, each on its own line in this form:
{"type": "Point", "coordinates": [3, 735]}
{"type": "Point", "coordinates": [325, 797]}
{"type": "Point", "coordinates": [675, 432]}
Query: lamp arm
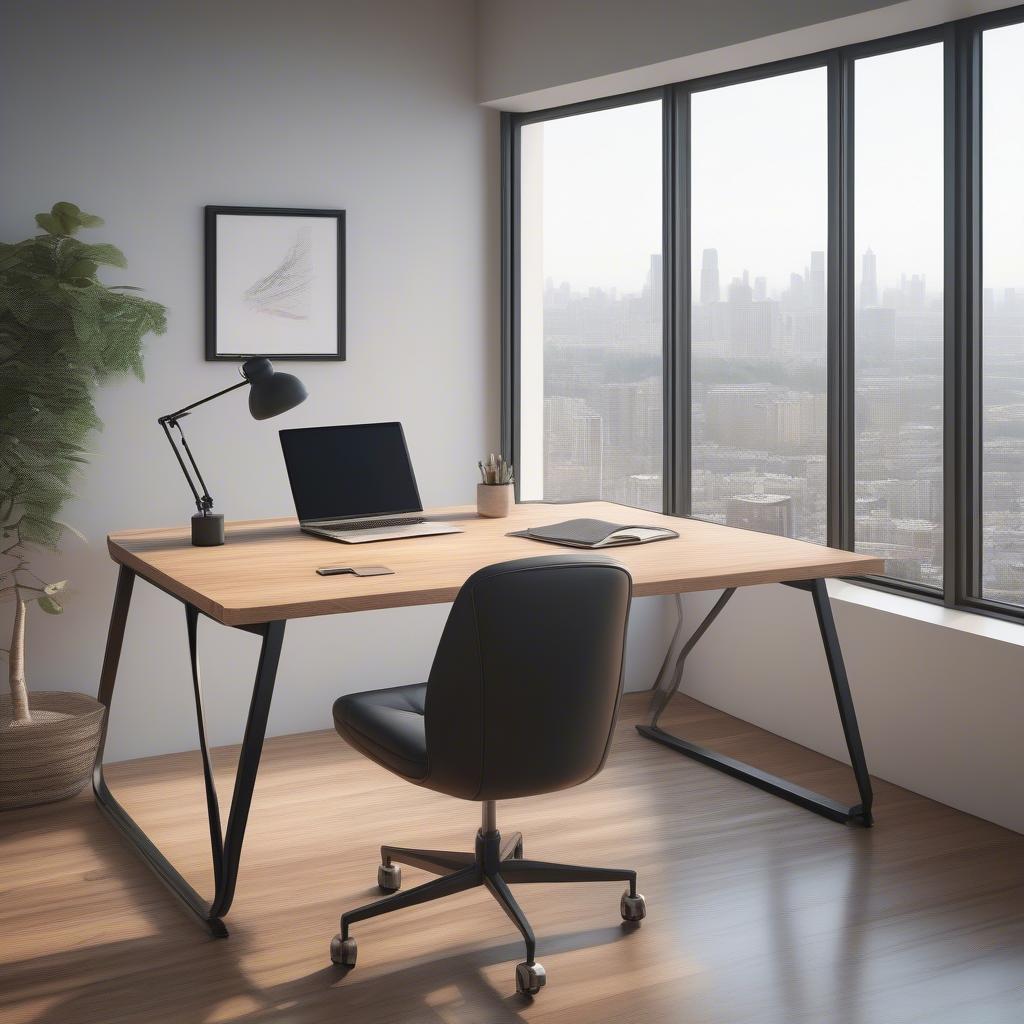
{"type": "Point", "coordinates": [170, 417]}
{"type": "Point", "coordinates": [166, 422]}
{"type": "Point", "coordinates": [204, 502]}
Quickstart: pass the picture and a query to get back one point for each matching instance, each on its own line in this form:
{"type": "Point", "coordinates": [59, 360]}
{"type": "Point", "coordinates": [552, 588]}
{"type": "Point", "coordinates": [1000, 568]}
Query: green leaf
{"type": "Point", "coordinates": [62, 334]}
{"type": "Point", "coordinates": [105, 254]}
{"type": "Point", "coordinates": [71, 218]}
{"type": "Point", "coordinates": [50, 606]}
{"type": "Point", "coordinates": [82, 268]}
{"type": "Point", "coordinates": [50, 223]}
{"type": "Point", "coordinates": [55, 588]}
{"type": "Point", "coordinates": [90, 220]}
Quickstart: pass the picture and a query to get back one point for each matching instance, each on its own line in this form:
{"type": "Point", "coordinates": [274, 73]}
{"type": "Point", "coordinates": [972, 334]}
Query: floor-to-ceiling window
{"type": "Point", "coordinates": [898, 157]}
{"type": "Point", "coordinates": [1002, 261]}
{"type": "Point", "coordinates": [759, 229]}
{"type": "Point", "coordinates": [590, 306]}
{"type": "Point", "coordinates": [842, 359]}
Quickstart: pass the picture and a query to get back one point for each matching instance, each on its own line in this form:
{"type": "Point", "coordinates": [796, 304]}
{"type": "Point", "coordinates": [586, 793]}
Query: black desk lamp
{"type": "Point", "coordinates": [270, 393]}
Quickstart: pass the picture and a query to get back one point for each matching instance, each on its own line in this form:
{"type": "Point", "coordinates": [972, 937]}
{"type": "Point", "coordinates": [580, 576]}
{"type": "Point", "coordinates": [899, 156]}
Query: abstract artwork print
{"type": "Point", "coordinates": [275, 283]}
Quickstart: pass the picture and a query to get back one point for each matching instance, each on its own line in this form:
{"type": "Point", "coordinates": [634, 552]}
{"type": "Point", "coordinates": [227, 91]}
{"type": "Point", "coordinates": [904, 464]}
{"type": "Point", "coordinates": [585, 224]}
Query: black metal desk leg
{"type": "Point", "coordinates": [670, 650]}
{"type": "Point", "coordinates": [662, 697]}
{"type": "Point", "coordinates": [111, 659]}
{"type": "Point", "coordinates": [249, 763]}
{"type": "Point", "coordinates": [212, 802]}
{"type": "Point", "coordinates": [225, 852]}
{"type": "Point", "coordinates": [844, 701]}
{"type": "Point", "coordinates": [857, 814]}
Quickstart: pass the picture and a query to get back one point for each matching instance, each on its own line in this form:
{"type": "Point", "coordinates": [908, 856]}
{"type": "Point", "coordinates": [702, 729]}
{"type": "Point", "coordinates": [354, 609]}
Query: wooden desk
{"type": "Point", "coordinates": [265, 575]}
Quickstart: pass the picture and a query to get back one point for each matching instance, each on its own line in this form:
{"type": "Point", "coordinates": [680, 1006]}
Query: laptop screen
{"type": "Point", "coordinates": [357, 471]}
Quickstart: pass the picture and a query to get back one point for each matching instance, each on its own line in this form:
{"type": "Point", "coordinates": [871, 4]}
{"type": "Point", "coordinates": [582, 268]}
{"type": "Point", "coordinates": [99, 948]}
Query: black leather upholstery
{"type": "Point", "coordinates": [387, 726]}
{"type": "Point", "coordinates": [524, 688]}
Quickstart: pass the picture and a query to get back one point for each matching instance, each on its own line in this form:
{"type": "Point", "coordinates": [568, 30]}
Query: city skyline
{"type": "Point", "coordinates": [758, 174]}
{"type": "Point", "coordinates": [759, 409]}
{"type": "Point", "coordinates": [905, 281]}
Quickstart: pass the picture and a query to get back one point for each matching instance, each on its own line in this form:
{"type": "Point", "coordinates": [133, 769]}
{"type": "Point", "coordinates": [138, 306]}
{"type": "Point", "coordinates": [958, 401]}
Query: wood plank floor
{"type": "Point", "coordinates": [759, 912]}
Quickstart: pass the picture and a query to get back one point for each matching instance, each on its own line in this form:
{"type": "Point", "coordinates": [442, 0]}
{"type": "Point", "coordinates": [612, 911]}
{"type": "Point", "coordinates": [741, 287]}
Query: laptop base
{"type": "Point", "coordinates": [350, 536]}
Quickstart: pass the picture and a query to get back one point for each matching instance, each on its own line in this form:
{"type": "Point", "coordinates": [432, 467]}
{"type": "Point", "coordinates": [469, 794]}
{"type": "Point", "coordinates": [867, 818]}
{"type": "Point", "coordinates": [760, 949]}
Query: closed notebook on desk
{"type": "Point", "coordinates": [595, 533]}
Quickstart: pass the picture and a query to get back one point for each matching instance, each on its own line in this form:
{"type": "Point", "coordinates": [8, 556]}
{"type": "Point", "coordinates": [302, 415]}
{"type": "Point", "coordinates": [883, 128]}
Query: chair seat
{"type": "Point", "coordinates": [388, 726]}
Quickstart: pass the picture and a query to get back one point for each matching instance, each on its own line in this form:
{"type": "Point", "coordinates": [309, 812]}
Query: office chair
{"type": "Point", "coordinates": [521, 700]}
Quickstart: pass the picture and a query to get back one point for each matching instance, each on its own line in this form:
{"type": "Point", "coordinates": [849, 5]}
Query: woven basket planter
{"type": "Point", "coordinates": [51, 757]}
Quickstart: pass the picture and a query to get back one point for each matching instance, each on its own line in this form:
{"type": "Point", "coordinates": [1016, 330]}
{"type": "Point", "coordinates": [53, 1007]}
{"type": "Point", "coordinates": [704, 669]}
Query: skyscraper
{"type": "Point", "coordinates": [655, 287]}
{"type": "Point", "coordinates": [573, 449]}
{"type": "Point", "coordinates": [709, 291]}
{"type": "Point", "coordinates": [868, 281]}
{"type": "Point", "coordinates": [915, 291]}
{"type": "Point", "coordinates": [817, 282]}
{"type": "Point", "coordinates": [876, 335]}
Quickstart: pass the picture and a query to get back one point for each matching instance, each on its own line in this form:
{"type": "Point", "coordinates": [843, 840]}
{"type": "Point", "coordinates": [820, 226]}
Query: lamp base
{"type": "Point", "coordinates": [208, 530]}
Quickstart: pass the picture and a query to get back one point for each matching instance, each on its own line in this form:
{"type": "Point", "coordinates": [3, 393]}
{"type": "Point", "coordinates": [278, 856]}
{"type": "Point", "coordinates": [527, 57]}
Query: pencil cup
{"type": "Point", "coordinates": [494, 500]}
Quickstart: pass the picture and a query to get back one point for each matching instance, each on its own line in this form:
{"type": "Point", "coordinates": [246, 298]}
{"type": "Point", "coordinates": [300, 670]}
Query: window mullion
{"type": "Point", "coordinates": [681, 291]}
{"type": "Point", "coordinates": [841, 383]}
{"type": "Point", "coordinates": [963, 342]}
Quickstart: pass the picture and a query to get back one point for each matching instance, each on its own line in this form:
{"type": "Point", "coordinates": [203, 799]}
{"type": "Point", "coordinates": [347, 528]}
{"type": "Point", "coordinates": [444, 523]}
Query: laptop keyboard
{"type": "Point", "coordinates": [372, 524]}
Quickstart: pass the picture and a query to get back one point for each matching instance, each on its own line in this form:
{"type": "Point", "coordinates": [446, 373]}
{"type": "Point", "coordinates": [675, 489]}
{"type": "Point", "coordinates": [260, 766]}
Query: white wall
{"type": "Point", "coordinates": [144, 113]}
{"type": "Point", "coordinates": [940, 708]}
{"type": "Point", "coordinates": [542, 53]}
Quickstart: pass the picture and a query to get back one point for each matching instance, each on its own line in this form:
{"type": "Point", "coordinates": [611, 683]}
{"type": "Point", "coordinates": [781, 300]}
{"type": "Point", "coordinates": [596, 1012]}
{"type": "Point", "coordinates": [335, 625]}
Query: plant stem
{"type": "Point", "coordinates": [19, 694]}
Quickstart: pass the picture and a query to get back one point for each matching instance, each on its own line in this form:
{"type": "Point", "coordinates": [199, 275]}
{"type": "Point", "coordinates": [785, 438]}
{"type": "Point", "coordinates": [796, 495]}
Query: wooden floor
{"type": "Point", "coordinates": [759, 912]}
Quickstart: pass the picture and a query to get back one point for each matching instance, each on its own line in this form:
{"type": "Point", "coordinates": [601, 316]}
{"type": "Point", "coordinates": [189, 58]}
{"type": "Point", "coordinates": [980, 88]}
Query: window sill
{"type": "Point", "coordinates": [925, 611]}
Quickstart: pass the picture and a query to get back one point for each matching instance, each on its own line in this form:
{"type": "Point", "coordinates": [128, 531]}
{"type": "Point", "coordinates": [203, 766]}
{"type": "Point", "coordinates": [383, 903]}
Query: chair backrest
{"type": "Point", "coordinates": [525, 685]}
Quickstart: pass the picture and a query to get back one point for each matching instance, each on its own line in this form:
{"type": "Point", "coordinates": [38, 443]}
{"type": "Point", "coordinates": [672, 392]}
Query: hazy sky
{"type": "Point", "coordinates": [898, 164]}
{"type": "Point", "coordinates": [602, 195]}
{"type": "Point", "coordinates": [759, 175]}
{"type": "Point", "coordinates": [1003, 152]}
{"type": "Point", "coordinates": [758, 178]}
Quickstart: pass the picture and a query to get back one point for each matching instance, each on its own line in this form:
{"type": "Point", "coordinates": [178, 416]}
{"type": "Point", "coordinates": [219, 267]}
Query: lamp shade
{"type": "Point", "coordinates": [271, 392]}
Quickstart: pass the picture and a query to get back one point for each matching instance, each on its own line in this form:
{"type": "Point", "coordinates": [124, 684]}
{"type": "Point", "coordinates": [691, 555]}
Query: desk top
{"type": "Point", "coordinates": [266, 569]}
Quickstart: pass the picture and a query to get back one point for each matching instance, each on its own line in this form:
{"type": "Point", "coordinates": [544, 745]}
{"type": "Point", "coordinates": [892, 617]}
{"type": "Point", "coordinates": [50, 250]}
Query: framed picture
{"type": "Point", "coordinates": [275, 283]}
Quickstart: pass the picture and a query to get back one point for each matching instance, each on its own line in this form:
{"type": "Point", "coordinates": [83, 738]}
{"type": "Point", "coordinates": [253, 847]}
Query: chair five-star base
{"type": "Point", "coordinates": [496, 863]}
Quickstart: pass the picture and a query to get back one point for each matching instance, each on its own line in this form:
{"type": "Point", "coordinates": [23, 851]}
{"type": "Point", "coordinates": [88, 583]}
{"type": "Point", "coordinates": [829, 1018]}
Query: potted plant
{"type": "Point", "coordinates": [62, 333]}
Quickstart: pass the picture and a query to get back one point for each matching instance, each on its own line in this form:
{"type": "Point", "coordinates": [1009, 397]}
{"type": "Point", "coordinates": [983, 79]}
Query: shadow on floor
{"type": "Point", "coordinates": [450, 987]}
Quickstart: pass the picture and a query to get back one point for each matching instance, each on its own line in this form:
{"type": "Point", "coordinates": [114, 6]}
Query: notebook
{"type": "Point", "coordinates": [595, 533]}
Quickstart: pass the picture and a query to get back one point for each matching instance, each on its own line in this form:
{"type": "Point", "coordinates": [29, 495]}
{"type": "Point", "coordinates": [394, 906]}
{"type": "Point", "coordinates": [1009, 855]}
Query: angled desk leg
{"type": "Point", "coordinates": [859, 813]}
{"type": "Point", "coordinates": [226, 848]}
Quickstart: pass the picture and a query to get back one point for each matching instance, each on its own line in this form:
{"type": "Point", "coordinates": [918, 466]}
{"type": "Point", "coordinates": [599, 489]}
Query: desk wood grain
{"type": "Point", "coordinates": [267, 569]}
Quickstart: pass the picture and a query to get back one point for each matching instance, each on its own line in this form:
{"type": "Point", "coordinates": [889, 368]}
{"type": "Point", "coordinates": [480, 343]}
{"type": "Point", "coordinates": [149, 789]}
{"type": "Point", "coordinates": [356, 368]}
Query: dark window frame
{"type": "Point", "coordinates": [962, 281]}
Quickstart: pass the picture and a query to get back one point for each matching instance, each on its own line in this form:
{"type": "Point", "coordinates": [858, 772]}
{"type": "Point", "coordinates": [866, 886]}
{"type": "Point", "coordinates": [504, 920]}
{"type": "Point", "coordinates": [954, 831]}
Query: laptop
{"type": "Point", "coordinates": [355, 483]}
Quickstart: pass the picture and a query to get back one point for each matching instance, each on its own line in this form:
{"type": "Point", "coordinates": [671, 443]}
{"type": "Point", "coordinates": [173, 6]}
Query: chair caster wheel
{"type": "Point", "coordinates": [633, 908]}
{"type": "Point", "coordinates": [389, 877]}
{"type": "Point", "coordinates": [530, 978]}
{"type": "Point", "coordinates": [343, 951]}
{"type": "Point", "coordinates": [517, 853]}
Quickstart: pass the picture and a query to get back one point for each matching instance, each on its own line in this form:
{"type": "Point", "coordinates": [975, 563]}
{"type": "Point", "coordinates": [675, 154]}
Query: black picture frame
{"type": "Point", "coordinates": [211, 215]}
